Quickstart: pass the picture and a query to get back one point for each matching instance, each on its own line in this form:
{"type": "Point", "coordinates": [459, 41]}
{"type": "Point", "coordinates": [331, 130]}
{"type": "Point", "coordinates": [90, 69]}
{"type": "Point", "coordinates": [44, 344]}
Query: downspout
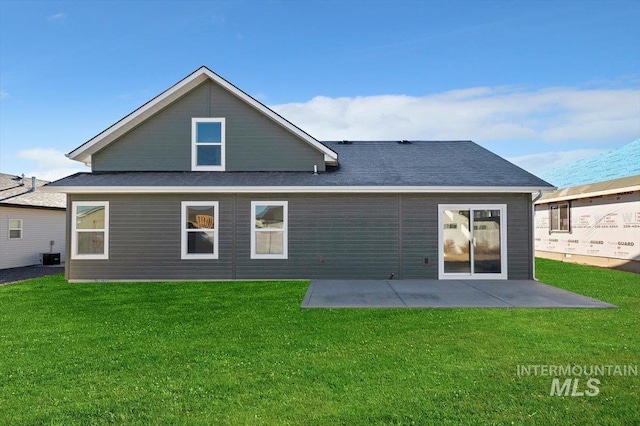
{"type": "Point", "coordinates": [533, 234]}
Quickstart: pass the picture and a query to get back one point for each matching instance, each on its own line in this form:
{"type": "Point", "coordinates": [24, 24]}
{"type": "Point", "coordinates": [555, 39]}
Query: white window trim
{"type": "Point", "coordinates": [184, 232]}
{"type": "Point", "coordinates": [74, 230]}
{"type": "Point", "coordinates": [21, 229]}
{"type": "Point", "coordinates": [194, 144]}
{"type": "Point", "coordinates": [559, 206]}
{"type": "Point", "coordinates": [503, 275]}
{"type": "Point", "coordinates": [284, 230]}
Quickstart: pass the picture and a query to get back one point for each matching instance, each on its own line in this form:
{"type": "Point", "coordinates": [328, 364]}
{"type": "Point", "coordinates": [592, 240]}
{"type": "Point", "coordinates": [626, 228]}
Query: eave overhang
{"type": "Point", "coordinates": [292, 189]}
{"type": "Point", "coordinates": [588, 195]}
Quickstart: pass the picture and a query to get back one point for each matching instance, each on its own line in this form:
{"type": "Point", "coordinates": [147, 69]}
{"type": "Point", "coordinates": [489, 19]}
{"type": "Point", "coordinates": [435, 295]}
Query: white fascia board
{"type": "Point", "coordinates": [289, 189]}
{"type": "Point", "coordinates": [83, 153]}
{"type": "Point", "coordinates": [588, 195]}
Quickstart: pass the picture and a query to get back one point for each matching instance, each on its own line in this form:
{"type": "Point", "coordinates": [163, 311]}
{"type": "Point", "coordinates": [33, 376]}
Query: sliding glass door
{"type": "Point", "coordinates": [472, 241]}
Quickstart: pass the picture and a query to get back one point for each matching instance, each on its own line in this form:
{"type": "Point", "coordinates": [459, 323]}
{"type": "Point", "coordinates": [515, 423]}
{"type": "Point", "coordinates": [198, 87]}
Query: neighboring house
{"type": "Point", "coordinates": [204, 182]}
{"type": "Point", "coordinates": [32, 222]}
{"type": "Point", "coordinates": [596, 224]}
{"type": "Point", "coordinates": [595, 217]}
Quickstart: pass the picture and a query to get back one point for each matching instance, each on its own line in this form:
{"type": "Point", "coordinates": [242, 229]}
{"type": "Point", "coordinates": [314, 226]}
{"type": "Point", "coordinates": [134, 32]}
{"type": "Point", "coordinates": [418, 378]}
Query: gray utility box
{"type": "Point", "coordinates": [50, 258]}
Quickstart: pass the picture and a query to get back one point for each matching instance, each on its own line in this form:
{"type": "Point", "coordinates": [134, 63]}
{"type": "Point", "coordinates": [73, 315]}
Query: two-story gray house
{"type": "Point", "coordinates": [204, 182]}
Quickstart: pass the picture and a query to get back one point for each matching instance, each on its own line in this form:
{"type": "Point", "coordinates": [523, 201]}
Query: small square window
{"type": "Point", "coordinates": [207, 144]}
{"type": "Point", "coordinates": [15, 229]}
{"type": "Point", "coordinates": [209, 155]}
{"type": "Point", "coordinates": [209, 132]}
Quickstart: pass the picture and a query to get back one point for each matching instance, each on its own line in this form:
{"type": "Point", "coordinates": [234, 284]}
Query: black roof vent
{"type": "Point", "coordinates": [345, 142]}
{"type": "Point", "coordinates": [404, 142]}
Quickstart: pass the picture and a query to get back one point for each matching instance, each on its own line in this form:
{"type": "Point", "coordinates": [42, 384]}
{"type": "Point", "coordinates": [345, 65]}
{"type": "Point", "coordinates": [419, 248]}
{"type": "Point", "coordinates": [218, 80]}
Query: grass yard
{"type": "Point", "coordinates": [245, 353]}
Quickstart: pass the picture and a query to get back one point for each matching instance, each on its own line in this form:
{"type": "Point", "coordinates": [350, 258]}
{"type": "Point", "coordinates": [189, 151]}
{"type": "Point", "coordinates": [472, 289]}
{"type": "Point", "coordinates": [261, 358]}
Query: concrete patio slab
{"type": "Point", "coordinates": [534, 294]}
{"type": "Point", "coordinates": [351, 294]}
{"type": "Point", "coordinates": [442, 294]}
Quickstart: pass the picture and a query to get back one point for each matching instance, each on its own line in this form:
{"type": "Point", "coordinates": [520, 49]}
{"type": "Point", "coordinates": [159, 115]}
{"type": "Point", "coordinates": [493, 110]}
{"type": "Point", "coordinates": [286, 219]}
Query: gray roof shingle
{"type": "Point", "coordinates": [374, 163]}
{"type": "Point", "coordinates": [13, 193]}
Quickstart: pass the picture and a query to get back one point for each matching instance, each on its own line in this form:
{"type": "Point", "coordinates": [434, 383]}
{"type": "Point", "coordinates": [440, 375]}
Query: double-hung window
{"type": "Point", "coordinates": [90, 230]}
{"type": "Point", "coordinates": [15, 229]}
{"type": "Point", "coordinates": [200, 230]}
{"type": "Point", "coordinates": [560, 219]}
{"type": "Point", "coordinates": [269, 234]}
{"type": "Point", "coordinates": [207, 144]}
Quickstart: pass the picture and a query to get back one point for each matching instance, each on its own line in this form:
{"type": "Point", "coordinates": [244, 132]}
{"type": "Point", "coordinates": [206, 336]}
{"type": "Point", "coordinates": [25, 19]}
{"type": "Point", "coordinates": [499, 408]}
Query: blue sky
{"type": "Point", "coordinates": [540, 83]}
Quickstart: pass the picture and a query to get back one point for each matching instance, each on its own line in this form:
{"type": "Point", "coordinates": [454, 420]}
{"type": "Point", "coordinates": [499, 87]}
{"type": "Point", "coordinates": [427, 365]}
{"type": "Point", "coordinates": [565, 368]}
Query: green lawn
{"type": "Point", "coordinates": [245, 353]}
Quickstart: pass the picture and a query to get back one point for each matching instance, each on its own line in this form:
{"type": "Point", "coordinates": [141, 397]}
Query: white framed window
{"type": "Point", "coordinates": [15, 229]}
{"type": "Point", "coordinates": [90, 230]}
{"type": "Point", "coordinates": [199, 230]}
{"type": "Point", "coordinates": [560, 218]}
{"type": "Point", "coordinates": [269, 230]}
{"type": "Point", "coordinates": [207, 144]}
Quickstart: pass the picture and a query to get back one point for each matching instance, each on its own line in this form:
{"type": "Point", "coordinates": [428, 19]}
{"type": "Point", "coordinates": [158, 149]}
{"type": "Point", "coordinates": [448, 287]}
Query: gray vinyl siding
{"type": "Point", "coordinates": [145, 240]}
{"type": "Point", "coordinates": [330, 236]}
{"type": "Point", "coordinates": [254, 142]}
{"type": "Point", "coordinates": [420, 232]}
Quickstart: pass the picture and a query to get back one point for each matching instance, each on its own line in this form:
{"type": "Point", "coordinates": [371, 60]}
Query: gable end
{"type": "Point", "coordinates": [120, 129]}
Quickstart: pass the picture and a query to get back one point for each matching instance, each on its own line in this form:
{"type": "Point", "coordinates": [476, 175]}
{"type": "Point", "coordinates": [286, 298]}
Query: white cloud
{"type": "Point", "coordinates": [482, 114]}
{"type": "Point", "coordinates": [537, 163]}
{"type": "Point", "coordinates": [3, 94]}
{"type": "Point", "coordinates": [50, 164]}
{"type": "Point", "coordinates": [60, 16]}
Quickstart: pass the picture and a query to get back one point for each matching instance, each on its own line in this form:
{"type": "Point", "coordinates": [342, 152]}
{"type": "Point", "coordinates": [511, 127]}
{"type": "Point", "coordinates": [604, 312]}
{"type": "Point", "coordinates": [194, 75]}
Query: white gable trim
{"type": "Point", "coordinates": [83, 153]}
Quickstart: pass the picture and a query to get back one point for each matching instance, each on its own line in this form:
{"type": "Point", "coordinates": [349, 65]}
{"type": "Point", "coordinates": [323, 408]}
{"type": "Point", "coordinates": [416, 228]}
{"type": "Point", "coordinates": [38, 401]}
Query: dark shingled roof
{"type": "Point", "coordinates": [379, 163]}
{"type": "Point", "coordinates": [13, 193]}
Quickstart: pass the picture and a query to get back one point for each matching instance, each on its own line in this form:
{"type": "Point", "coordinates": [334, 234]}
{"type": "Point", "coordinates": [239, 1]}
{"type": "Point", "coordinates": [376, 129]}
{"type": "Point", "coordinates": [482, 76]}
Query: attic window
{"type": "Point", "coordinates": [207, 144]}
